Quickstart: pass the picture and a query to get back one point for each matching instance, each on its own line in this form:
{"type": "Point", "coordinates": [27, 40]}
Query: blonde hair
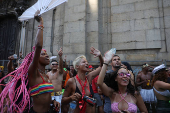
{"type": "Point", "coordinates": [77, 61]}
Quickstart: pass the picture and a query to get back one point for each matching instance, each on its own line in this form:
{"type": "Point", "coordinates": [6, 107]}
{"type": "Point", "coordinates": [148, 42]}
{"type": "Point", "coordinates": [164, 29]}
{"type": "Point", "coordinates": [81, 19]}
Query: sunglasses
{"type": "Point", "coordinates": [54, 64]}
{"type": "Point", "coordinates": [123, 74]}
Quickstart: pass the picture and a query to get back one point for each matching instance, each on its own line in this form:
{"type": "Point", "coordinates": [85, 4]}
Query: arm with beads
{"type": "Point", "coordinates": [38, 45]}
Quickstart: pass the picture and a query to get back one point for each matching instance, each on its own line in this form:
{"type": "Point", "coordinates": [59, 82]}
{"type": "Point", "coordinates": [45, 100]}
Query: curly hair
{"type": "Point", "coordinates": [109, 80]}
{"type": "Point", "coordinates": [162, 76]}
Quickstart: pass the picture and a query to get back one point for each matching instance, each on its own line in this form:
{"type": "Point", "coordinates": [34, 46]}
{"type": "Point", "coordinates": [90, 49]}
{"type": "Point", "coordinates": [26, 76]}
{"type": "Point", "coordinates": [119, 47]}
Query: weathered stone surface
{"type": "Point", "coordinates": [122, 26]}
{"type": "Point", "coordinates": [167, 21]}
{"type": "Point", "coordinates": [153, 35]}
{"type": "Point", "coordinates": [151, 13]}
{"type": "Point", "coordinates": [144, 24]}
{"type": "Point", "coordinates": [139, 57]}
{"type": "Point", "coordinates": [138, 29]}
{"type": "Point", "coordinates": [166, 3]}
{"type": "Point", "coordinates": [74, 26]}
{"type": "Point", "coordinates": [123, 8]}
{"type": "Point", "coordinates": [92, 26]}
{"type": "Point", "coordinates": [129, 37]}
{"type": "Point", "coordinates": [129, 1]}
{"type": "Point", "coordinates": [148, 4]}
{"type": "Point", "coordinates": [114, 2]}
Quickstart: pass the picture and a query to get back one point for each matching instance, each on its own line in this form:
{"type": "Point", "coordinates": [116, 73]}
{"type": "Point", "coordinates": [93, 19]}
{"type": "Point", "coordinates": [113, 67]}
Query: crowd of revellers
{"type": "Point", "coordinates": [30, 88]}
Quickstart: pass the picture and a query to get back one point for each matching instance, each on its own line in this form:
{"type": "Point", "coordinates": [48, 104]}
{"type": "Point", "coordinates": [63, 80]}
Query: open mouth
{"type": "Point", "coordinates": [86, 66]}
{"type": "Point", "coordinates": [125, 80]}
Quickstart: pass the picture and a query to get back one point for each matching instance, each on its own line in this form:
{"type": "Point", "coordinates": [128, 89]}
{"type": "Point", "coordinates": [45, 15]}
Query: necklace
{"type": "Point", "coordinates": [42, 72]}
{"type": "Point", "coordinates": [52, 74]}
{"type": "Point", "coordinates": [124, 95]}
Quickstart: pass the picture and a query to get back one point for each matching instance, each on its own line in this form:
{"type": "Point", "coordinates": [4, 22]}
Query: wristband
{"type": "Point", "coordinates": [41, 26]}
{"type": "Point", "coordinates": [105, 64]}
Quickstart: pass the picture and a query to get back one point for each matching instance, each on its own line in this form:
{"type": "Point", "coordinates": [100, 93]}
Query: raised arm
{"type": "Point", "coordinates": [10, 64]}
{"type": "Point", "coordinates": [104, 88]}
{"type": "Point", "coordinates": [96, 72]}
{"type": "Point", "coordinates": [38, 45]}
{"type": "Point", "coordinates": [65, 64]}
{"type": "Point", "coordinates": [60, 53]}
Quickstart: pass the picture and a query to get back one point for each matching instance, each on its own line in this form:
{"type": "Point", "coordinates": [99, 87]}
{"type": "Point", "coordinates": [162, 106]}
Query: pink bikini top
{"type": "Point", "coordinates": [132, 107]}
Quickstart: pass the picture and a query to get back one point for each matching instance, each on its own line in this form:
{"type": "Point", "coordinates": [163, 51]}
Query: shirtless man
{"type": "Point", "coordinates": [56, 77]}
{"type": "Point", "coordinates": [144, 80]}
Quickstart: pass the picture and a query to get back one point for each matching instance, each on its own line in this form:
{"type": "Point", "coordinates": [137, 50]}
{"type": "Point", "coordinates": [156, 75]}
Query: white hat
{"type": "Point", "coordinates": [158, 68]}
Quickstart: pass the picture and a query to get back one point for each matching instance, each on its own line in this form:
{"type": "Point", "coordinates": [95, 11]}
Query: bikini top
{"type": "Point", "coordinates": [132, 108]}
{"type": "Point", "coordinates": [165, 93]}
{"type": "Point", "coordinates": [41, 88]}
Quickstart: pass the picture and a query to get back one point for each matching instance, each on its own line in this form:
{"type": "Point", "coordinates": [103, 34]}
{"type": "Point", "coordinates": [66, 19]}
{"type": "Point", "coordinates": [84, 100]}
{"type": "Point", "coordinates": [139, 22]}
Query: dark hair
{"type": "Point", "coordinates": [116, 56]}
{"type": "Point", "coordinates": [54, 61]}
{"type": "Point", "coordinates": [110, 82]}
{"type": "Point", "coordinates": [128, 66]}
{"type": "Point", "coordinates": [161, 75]}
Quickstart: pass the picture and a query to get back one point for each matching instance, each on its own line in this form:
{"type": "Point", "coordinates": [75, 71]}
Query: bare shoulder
{"type": "Point", "coordinates": [137, 94]}
{"type": "Point", "coordinates": [48, 73]}
{"type": "Point", "coordinates": [139, 74]}
{"type": "Point", "coordinates": [157, 83]}
{"type": "Point", "coordinates": [71, 80]}
{"type": "Point", "coordinates": [70, 83]}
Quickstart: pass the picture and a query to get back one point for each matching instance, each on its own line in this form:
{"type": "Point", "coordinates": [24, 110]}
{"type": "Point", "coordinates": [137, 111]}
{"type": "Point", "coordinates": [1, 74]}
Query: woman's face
{"type": "Point", "coordinates": [44, 58]}
{"type": "Point", "coordinates": [83, 65]}
{"type": "Point", "coordinates": [123, 77]}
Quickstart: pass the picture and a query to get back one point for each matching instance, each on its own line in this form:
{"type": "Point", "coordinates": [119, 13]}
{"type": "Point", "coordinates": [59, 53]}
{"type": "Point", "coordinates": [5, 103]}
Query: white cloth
{"type": "Point", "coordinates": [148, 95]}
{"type": "Point", "coordinates": [156, 69]}
{"type": "Point", "coordinates": [58, 99]}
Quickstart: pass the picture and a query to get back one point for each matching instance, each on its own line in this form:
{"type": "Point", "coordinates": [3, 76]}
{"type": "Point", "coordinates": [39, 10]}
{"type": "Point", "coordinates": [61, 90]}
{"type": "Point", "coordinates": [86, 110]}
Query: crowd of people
{"type": "Point", "coordinates": [30, 88]}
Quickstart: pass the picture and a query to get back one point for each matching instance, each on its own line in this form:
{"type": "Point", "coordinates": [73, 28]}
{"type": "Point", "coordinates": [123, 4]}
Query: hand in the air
{"type": "Point", "coordinates": [95, 52]}
{"type": "Point", "coordinates": [108, 57]}
{"type": "Point", "coordinates": [60, 52]}
{"type": "Point", "coordinates": [11, 57]}
{"type": "Point", "coordinates": [37, 16]}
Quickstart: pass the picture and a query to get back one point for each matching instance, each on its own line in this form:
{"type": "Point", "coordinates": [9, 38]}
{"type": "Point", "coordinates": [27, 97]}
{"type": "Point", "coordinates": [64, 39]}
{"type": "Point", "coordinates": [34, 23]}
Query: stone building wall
{"type": "Point", "coordinates": [138, 29]}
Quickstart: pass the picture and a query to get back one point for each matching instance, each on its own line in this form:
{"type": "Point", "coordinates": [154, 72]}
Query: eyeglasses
{"type": "Point", "coordinates": [54, 64]}
{"type": "Point", "coordinates": [123, 74]}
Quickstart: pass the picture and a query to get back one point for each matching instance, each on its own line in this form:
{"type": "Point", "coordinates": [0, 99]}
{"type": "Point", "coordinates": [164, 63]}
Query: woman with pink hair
{"type": "Point", "coordinates": [32, 71]}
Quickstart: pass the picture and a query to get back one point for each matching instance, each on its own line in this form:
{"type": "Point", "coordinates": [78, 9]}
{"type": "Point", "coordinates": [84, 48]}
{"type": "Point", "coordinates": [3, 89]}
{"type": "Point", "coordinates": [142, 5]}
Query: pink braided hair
{"type": "Point", "coordinates": [12, 92]}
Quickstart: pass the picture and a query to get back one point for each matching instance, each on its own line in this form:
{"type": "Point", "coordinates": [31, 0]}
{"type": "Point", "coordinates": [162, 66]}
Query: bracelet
{"type": "Point", "coordinates": [105, 64]}
{"type": "Point", "coordinates": [41, 26]}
